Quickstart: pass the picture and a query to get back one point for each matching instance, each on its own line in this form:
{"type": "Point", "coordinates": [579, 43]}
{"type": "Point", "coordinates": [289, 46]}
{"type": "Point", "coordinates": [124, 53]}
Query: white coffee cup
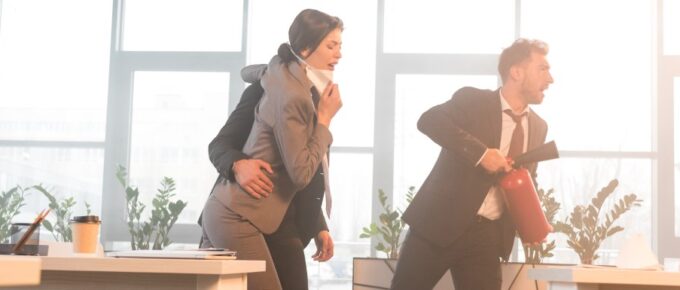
{"type": "Point", "coordinates": [671, 264]}
{"type": "Point", "coordinates": [85, 230]}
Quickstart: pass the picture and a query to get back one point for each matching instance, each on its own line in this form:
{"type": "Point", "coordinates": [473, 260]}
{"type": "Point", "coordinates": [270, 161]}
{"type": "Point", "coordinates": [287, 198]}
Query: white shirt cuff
{"type": "Point", "coordinates": [480, 159]}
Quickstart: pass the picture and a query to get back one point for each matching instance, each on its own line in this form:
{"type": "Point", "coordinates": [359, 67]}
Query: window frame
{"type": "Point", "coordinates": [391, 64]}
{"type": "Point", "coordinates": [123, 65]}
{"type": "Point", "coordinates": [668, 67]}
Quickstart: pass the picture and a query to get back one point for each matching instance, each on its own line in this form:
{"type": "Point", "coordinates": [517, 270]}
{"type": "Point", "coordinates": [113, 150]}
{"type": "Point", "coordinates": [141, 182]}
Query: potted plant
{"type": "Point", "coordinates": [62, 209]}
{"type": "Point", "coordinates": [154, 232]}
{"type": "Point", "coordinates": [378, 272]}
{"type": "Point", "coordinates": [390, 228]}
{"type": "Point", "coordinates": [11, 202]}
{"type": "Point", "coordinates": [589, 225]}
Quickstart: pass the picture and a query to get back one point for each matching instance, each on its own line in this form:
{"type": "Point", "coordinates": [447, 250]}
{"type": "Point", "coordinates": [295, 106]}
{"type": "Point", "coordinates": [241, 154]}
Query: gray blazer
{"type": "Point", "coordinates": [285, 134]}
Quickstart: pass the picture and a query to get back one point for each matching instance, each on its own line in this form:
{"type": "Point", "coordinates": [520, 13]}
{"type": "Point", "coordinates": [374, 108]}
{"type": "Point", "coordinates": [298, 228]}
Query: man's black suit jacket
{"type": "Point", "coordinates": [448, 201]}
{"type": "Point", "coordinates": [226, 148]}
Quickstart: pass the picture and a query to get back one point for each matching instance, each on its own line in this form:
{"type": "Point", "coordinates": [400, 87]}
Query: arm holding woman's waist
{"type": "Point", "coordinates": [225, 150]}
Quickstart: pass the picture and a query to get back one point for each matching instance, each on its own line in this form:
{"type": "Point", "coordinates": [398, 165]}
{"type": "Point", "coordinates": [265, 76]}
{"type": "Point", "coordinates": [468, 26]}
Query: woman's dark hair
{"type": "Point", "coordinates": [307, 31]}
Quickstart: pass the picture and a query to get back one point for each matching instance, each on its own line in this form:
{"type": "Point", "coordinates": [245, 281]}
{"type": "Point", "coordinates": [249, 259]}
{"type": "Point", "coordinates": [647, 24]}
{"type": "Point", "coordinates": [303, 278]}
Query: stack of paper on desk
{"type": "Point", "coordinates": [176, 254]}
{"type": "Point", "coordinates": [636, 254]}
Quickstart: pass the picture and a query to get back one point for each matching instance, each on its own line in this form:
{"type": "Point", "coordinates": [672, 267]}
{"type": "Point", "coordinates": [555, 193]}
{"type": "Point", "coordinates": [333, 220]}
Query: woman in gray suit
{"type": "Point", "coordinates": [290, 132]}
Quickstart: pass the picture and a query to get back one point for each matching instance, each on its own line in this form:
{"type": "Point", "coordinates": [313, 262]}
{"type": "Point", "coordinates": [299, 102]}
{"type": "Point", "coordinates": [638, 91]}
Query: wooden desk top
{"type": "Point", "coordinates": [168, 266]}
{"type": "Point", "coordinates": [606, 275]}
{"type": "Point", "coordinates": [19, 271]}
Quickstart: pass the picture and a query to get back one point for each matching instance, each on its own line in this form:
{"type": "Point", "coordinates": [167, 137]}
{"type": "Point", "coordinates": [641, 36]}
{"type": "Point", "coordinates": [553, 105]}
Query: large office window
{"type": "Point", "coordinates": [595, 111]}
{"type": "Point", "coordinates": [600, 116]}
{"type": "Point", "coordinates": [415, 153]}
{"type": "Point", "coordinates": [611, 107]}
{"type": "Point", "coordinates": [676, 163]}
{"type": "Point", "coordinates": [447, 27]}
{"type": "Point", "coordinates": [78, 97]}
{"type": "Point", "coordinates": [668, 84]}
{"type": "Point", "coordinates": [426, 52]}
{"type": "Point", "coordinates": [54, 71]}
{"type": "Point", "coordinates": [669, 87]}
{"type": "Point", "coordinates": [174, 116]}
{"type": "Point", "coordinates": [53, 81]}
{"type": "Point", "coordinates": [174, 68]}
{"type": "Point", "coordinates": [182, 25]}
{"type": "Point", "coordinates": [671, 27]}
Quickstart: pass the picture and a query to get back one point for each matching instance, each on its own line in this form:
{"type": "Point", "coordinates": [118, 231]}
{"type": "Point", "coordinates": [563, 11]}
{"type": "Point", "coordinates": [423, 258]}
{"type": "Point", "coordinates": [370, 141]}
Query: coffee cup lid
{"type": "Point", "coordinates": [86, 219]}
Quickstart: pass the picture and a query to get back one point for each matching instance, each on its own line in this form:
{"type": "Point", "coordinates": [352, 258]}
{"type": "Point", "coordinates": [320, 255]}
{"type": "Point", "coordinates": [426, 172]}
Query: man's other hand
{"type": "Point", "coordinates": [324, 247]}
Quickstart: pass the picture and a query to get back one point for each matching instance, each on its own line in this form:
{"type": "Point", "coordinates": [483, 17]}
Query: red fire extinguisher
{"type": "Point", "coordinates": [521, 197]}
{"type": "Point", "coordinates": [524, 207]}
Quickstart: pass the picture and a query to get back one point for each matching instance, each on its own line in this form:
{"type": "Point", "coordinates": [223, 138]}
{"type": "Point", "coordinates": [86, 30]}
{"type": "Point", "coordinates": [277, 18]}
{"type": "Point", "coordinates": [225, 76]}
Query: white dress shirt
{"type": "Point", "coordinates": [493, 205]}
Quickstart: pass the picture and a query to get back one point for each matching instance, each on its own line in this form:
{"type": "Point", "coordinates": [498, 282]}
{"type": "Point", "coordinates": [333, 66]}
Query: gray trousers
{"type": "Point", "coordinates": [223, 228]}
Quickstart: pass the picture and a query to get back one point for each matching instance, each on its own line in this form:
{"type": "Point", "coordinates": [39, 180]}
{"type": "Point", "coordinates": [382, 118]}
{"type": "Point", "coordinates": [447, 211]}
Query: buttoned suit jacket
{"type": "Point", "coordinates": [449, 199]}
{"type": "Point", "coordinates": [226, 148]}
{"type": "Point", "coordinates": [285, 134]}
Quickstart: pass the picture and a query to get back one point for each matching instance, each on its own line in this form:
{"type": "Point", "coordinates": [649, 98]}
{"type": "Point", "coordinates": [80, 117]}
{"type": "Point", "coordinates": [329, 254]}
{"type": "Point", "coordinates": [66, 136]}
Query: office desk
{"type": "Point", "coordinates": [579, 278]}
{"type": "Point", "coordinates": [19, 271]}
{"type": "Point", "coordinates": [104, 273]}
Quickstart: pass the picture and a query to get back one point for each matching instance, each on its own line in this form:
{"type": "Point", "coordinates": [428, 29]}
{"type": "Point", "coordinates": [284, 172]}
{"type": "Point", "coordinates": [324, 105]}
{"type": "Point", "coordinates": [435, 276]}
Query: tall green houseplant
{"type": "Point", "coordinates": [62, 209]}
{"type": "Point", "coordinates": [11, 202]}
{"type": "Point", "coordinates": [154, 232]}
{"type": "Point", "coordinates": [585, 228]}
{"type": "Point", "coordinates": [60, 229]}
{"type": "Point", "coordinates": [390, 228]}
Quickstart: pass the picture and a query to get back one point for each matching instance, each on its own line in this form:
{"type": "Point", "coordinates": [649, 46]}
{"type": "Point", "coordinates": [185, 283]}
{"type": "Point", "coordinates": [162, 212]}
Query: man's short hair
{"type": "Point", "coordinates": [519, 51]}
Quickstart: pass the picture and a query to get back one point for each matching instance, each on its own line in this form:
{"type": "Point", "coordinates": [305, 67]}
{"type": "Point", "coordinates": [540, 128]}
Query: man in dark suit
{"type": "Point", "coordinates": [457, 219]}
{"type": "Point", "coordinates": [303, 220]}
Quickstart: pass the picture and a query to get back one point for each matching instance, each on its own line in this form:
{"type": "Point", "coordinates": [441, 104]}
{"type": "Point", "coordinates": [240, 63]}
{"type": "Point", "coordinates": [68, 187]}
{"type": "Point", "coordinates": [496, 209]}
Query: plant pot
{"type": "Point", "coordinates": [376, 273]}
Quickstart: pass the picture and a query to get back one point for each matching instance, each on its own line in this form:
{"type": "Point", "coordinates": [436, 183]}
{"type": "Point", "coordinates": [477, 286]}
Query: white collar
{"type": "Point", "coordinates": [506, 106]}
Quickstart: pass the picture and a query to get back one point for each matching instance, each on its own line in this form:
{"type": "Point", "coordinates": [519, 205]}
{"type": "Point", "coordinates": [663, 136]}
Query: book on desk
{"type": "Point", "coordinates": [209, 254]}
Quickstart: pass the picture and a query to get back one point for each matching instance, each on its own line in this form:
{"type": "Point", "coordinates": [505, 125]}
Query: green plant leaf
{"type": "Point", "coordinates": [382, 197]}
{"type": "Point", "coordinates": [11, 202]}
{"type": "Point", "coordinates": [380, 247]}
{"type": "Point", "coordinates": [584, 228]}
{"type": "Point", "coordinates": [47, 225]}
{"type": "Point", "coordinates": [391, 226]}
{"type": "Point", "coordinates": [164, 213]}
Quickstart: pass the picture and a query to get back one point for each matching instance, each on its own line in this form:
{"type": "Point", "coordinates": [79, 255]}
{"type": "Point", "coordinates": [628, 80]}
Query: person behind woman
{"type": "Point", "coordinates": [290, 132]}
{"type": "Point", "coordinates": [303, 220]}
